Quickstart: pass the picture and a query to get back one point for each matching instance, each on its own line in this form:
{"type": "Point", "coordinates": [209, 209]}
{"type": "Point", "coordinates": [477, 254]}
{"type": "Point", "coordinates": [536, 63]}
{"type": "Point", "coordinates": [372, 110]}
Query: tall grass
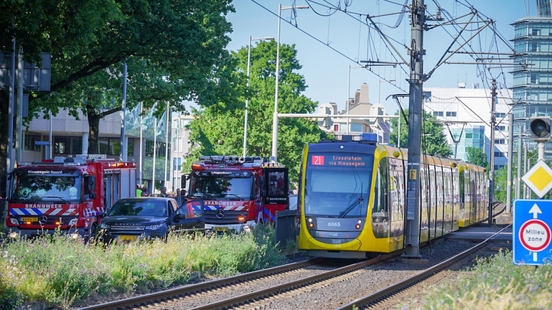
{"type": "Point", "coordinates": [61, 272]}
{"type": "Point", "coordinates": [496, 284]}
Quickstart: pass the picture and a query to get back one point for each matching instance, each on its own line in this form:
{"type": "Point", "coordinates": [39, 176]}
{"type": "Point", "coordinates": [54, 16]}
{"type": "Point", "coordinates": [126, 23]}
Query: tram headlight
{"type": "Point", "coordinates": [310, 223]}
{"type": "Point", "coordinates": [358, 224]}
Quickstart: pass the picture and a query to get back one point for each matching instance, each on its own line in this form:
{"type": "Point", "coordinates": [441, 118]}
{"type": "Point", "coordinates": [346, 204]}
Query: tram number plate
{"type": "Point", "coordinates": [29, 219]}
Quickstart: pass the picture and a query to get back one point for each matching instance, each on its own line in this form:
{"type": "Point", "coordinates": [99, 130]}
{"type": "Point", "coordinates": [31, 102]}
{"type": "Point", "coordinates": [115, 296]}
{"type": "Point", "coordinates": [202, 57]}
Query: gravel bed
{"type": "Point", "coordinates": [332, 293]}
{"type": "Point", "coordinates": [339, 291]}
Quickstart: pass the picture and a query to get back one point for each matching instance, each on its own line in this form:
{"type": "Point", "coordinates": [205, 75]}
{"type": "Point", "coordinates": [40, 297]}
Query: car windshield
{"type": "Point", "coordinates": [157, 208]}
{"type": "Point", "coordinates": [222, 187]}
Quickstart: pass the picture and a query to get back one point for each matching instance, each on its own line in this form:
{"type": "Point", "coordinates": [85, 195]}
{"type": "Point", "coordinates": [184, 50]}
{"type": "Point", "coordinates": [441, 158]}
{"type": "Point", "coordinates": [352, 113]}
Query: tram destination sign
{"type": "Point", "coordinates": [340, 160]}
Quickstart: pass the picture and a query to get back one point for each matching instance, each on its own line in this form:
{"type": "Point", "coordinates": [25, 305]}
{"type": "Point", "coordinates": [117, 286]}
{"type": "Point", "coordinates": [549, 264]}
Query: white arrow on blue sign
{"type": "Point", "coordinates": [531, 232]}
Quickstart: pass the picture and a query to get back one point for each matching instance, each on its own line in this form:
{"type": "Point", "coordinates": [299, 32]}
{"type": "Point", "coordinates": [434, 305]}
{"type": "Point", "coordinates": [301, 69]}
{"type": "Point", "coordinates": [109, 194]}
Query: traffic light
{"type": "Point", "coordinates": [540, 128]}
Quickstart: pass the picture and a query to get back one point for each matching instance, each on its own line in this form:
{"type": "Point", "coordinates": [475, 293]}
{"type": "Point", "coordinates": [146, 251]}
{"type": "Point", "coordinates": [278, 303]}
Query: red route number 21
{"type": "Point", "coordinates": [317, 160]}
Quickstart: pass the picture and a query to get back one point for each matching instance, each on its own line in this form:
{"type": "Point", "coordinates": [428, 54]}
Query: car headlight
{"type": "Point", "coordinates": [14, 221]}
{"type": "Point", "coordinates": [104, 226]}
{"type": "Point", "coordinates": [153, 227]}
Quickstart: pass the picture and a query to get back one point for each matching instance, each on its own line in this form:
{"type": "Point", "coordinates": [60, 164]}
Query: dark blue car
{"type": "Point", "coordinates": [143, 218]}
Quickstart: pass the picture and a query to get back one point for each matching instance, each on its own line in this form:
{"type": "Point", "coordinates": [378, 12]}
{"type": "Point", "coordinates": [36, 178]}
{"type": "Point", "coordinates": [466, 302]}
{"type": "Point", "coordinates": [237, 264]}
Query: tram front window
{"type": "Point", "coordinates": [338, 188]}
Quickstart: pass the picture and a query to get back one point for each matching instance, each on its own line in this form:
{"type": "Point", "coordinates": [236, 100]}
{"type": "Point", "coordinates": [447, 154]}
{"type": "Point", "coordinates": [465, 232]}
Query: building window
{"type": "Point", "coordinates": [500, 128]}
{"type": "Point", "coordinates": [67, 145]}
{"type": "Point", "coordinates": [498, 154]}
{"type": "Point", "coordinates": [427, 96]}
{"type": "Point", "coordinates": [533, 78]}
{"type": "Point", "coordinates": [149, 148]}
{"type": "Point", "coordinates": [451, 113]}
{"type": "Point", "coordinates": [469, 135]}
{"type": "Point", "coordinates": [437, 113]}
{"type": "Point", "coordinates": [500, 141]}
{"type": "Point", "coordinates": [356, 127]}
{"type": "Point", "coordinates": [30, 142]}
{"type": "Point", "coordinates": [109, 146]}
{"type": "Point", "coordinates": [160, 149]}
{"type": "Point", "coordinates": [336, 127]}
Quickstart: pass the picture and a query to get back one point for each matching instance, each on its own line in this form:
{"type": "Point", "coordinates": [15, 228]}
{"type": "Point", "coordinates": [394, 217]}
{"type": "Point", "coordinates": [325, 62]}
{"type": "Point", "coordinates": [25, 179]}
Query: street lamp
{"type": "Point", "coordinates": [247, 87]}
{"type": "Point", "coordinates": [275, 116]}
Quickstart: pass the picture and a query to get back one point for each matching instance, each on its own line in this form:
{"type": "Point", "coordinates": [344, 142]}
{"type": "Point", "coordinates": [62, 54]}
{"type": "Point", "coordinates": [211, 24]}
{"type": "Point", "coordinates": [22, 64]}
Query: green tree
{"type": "Point", "coordinates": [175, 51]}
{"type": "Point", "coordinates": [219, 128]}
{"type": "Point", "coordinates": [434, 141]}
{"type": "Point", "coordinates": [501, 177]}
{"type": "Point", "coordinates": [477, 156]}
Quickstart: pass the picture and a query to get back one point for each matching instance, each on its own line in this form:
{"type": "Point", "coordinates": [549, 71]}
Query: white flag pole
{"type": "Point", "coordinates": [154, 153]}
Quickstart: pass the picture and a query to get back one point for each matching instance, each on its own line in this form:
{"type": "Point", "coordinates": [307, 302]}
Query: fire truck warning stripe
{"type": "Point", "coordinates": [269, 215]}
{"type": "Point", "coordinates": [39, 212]}
{"type": "Point", "coordinates": [226, 208]}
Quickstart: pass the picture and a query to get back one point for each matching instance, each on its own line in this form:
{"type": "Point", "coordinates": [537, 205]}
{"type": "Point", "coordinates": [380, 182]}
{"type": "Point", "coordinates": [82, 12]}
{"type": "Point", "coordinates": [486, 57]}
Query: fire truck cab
{"type": "Point", "coordinates": [239, 192]}
{"type": "Point", "coordinates": [66, 194]}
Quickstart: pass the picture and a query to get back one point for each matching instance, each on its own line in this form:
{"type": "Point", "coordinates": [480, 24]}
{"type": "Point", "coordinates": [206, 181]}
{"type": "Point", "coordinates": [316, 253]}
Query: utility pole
{"type": "Point", "coordinates": [510, 162]}
{"type": "Point", "coordinates": [494, 98]}
{"type": "Point", "coordinates": [518, 179]}
{"type": "Point", "coordinates": [415, 129]}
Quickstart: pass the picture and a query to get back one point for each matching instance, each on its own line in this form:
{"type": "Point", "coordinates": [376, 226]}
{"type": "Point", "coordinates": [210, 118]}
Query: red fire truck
{"type": "Point", "coordinates": [238, 192]}
{"type": "Point", "coordinates": [66, 194]}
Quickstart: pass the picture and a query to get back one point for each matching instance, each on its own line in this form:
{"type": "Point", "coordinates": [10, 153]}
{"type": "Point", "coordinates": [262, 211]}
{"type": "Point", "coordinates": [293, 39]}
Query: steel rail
{"type": "Point", "coordinates": [186, 290]}
{"type": "Point", "coordinates": [400, 286]}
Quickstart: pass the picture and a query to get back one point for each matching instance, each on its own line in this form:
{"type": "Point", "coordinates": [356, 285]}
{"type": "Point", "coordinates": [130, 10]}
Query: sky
{"type": "Point", "coordinates": [332, 47]}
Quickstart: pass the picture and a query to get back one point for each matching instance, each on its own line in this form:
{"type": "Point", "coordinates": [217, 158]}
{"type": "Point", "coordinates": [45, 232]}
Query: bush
{"type": "Point", "coordinates": [61, 272]}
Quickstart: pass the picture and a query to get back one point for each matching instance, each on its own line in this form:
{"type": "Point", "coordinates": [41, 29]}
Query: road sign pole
{"type": "Point", "coordinates": [540, 146]}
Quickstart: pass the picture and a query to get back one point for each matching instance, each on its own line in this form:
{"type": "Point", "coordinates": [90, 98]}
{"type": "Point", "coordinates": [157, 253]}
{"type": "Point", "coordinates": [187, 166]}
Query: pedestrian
{"type": "Point", "coordinates": [178, 197]}
{"type": "Point", "coordinates": [163, 192]}
{"type": "Point", "coordinates": [138, 190]}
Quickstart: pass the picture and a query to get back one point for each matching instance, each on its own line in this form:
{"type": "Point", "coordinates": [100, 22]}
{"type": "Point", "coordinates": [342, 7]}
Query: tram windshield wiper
{"type": "Point", "coordinates": [351, 206]}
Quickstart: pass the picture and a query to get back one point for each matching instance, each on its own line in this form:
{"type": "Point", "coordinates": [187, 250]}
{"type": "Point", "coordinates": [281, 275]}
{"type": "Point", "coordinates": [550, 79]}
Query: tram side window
{"type": "Point", "coordinates": [381, 190]}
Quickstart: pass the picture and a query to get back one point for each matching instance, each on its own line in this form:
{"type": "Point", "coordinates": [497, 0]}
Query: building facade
{"type": "Point", "coordinates": [532, 74]}
{"type": "Point", "coordinates": [363, 117]}
{"type": "Point", "coordinates": [69, 137]}
{"type": "Point", "coordinates": [466, 115]}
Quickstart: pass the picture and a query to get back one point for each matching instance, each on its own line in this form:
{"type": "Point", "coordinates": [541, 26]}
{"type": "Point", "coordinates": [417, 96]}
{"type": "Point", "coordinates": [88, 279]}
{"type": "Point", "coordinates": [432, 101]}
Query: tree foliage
{"type": "Point", "coordinates": [501, 177]}
{"type": "Point", "coordinates": [434, 141]}
{"type": "Point", "coordinates": [174, 50]}
{"type": "Point", "coordinates": [477, 156]}
{"type": "Point", "coordinates": [219, 130]}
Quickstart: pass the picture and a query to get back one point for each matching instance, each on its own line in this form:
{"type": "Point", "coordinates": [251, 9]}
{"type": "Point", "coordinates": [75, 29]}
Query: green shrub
{"type": "Point", "coordinates": [62, 272]}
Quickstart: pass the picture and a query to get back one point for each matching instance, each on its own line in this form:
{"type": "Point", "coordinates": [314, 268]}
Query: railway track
{"type": "Point", "coordinates": [300, 274]}
{"type": "Point", "coordinates": [373, 300]}
{"type": "Point", "coordinates": [284, 287]}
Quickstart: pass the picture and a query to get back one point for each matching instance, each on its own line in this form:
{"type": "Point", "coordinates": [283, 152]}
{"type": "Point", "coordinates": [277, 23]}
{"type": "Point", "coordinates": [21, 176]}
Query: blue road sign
{"type": "Point", "coordinates": [531, 232]}
{"type": "Point", "coordinates": [42, 142]}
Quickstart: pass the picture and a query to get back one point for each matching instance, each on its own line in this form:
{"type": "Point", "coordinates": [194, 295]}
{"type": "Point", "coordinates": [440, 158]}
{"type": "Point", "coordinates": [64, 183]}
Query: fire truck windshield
{"type": "Point", "coordinates": [38, 187]}
{"type": "Point", "coordinates": [217, 186]}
